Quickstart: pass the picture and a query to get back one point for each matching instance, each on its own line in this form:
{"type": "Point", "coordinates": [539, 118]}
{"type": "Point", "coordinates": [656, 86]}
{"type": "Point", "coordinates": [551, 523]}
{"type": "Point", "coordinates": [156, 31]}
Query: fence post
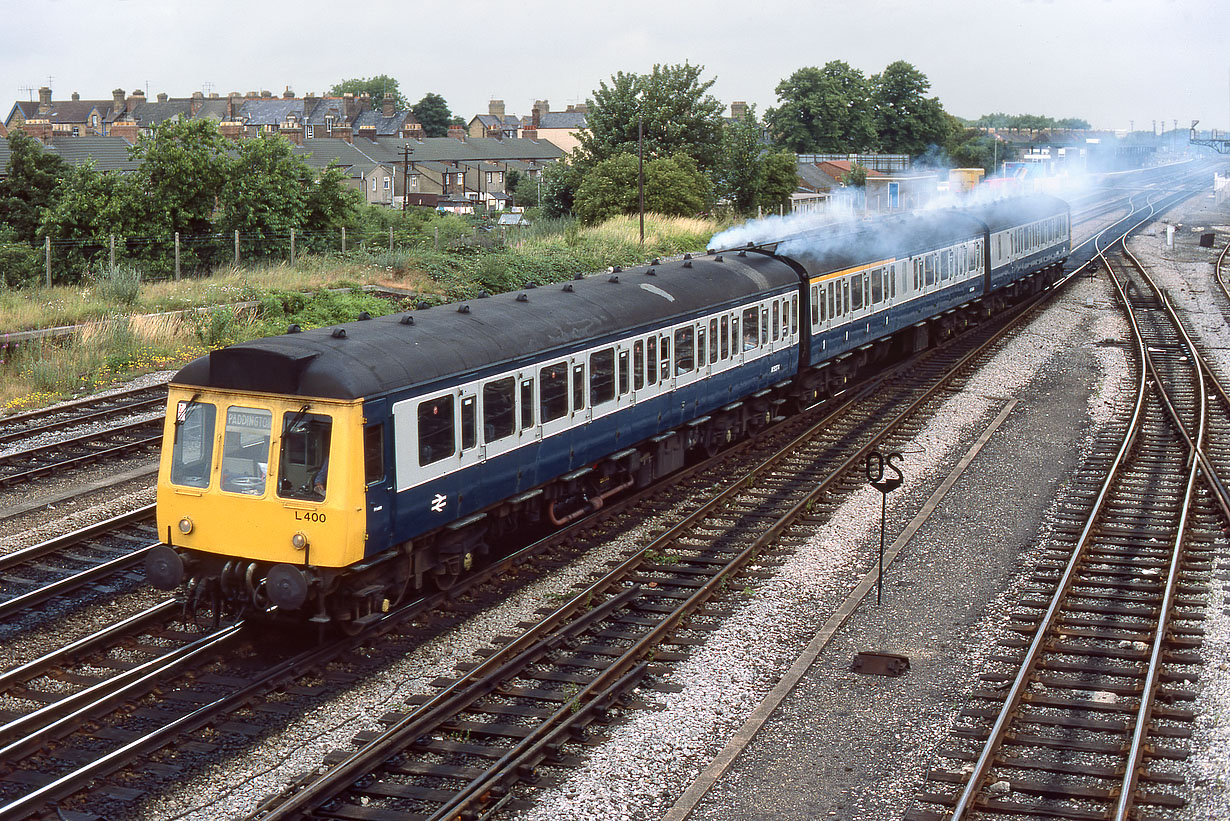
{"type": "Point", "coordinates": [47, 254]}
{"type": "Point", "coordinates": [390, 239]}
{"type": "Point", "coordinates": [292, 247]}
{"type": "Point", "coordinates": [113, 251]}
{"type": "Point", "coordinates": [435, 238]}
{"type": "Point", "coordinates": [236, 247]}
{"type": "Point", "coordinates": [343, 239]}
{"type": "Point", "coordinates": [176, 255]}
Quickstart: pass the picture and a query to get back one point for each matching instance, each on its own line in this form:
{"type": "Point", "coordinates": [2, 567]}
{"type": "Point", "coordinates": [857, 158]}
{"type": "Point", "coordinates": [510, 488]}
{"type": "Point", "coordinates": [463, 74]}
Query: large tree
{"type": "Point", "coordinates": [376, 86]}
{"type": "Point", "coordinates": [183, 167]}
{"type": "Point", "coordinates": [432, 112]}
{"type": "Point", "coordinates": [87, 208]}
{"type": "Point", "coordinates": [907, 120]}
{"type": "Point", "coordinates": [31, 175]}
{"type": "Point", "coordinates": [265, 195]}
{"type": "Point", "coordinates": [749, 174]}
{"type": "Point", "coordinates": [672, 103]}
{"type": "Point", "coordinates": [824, 110]}
{"type": "Point", "coordinates": [673, 186]}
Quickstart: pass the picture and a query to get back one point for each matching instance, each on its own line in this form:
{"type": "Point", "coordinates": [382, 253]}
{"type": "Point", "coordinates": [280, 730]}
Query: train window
{"type": "Point", "coordinates": [664, 348]}
{"type": "Point", "coordinates": [553, 391]}
{"type": "Point", "coordinates": [777, 310]}
{"type": "Point", "coordinates": [623, 372]}
{"type": "Point", "coordinates": [469, 422]}
{"type": "Point", "coordinates": [725, 337]}
{"type": "Point", "coordinates": [651, 360]}
{"type": "Point", "coordinates": [734, 335]}
{"type": "Point", "coordinates": [601, 376]}
{"type": "Point", "coordinates": [701, 346]}
{"type": "Point", "coordinates": [638, 365]}
{"type": "Point", "coordinates": [929, 270]}
{"type": "Point", "coordinates": [303, 459]}
{"type": "Point", "coordinates": [815, 305]}
{"type": "Point", "coordinates": [877, 287]}
{"type": "Point", "coordinates": [436, 438]}
{"type": "Point", "coordinates": [578, 388]}
{"type": "Point", "coordinates": [373, 454]}
{"type": "Point", "coordinates": [684, 353]}
{"type": "Point", "coordinates": [751, 328]}
{"type": "Point", "coordinates": [819, 306]}
{"type": "Point", "coordinates": [499, 411]}
{"type": "Point", "coordinates": [193, 451]}
{"type": "Point", "coordinates": [833, 311]}
{"type": "Point", "coordinates": [713, 340]}
{"type": "Point", "coordinates": [245, 450]}
{"type": "Point", "coordinates": [845, 297]}
{"type": "Point", "coordinates": [855, 284]}
{"type": "Point", "coordinates": [527, 404]}
{"type": "Point", "coordinates": [892, 280]}
{"type": "Point", "coordinates": [764, 326]}
{"type": "Point", "coordinates": [794, 314]}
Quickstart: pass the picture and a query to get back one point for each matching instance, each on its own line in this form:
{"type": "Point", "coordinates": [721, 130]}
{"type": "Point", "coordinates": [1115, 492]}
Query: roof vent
{"type": "Point", "coordinates": [687, 256]}
{"type": "Point", "coordinates": [743, 253]}
{"type": "Point", "coordinates": [614, 278]}
{"type": "Point", "coordinates": [407, 320]}
{"type": "Point", "coordinates": [463, 309]}
{"type": "Point", "coordinates": [523, 298]}
{"type": "Point", "coordinates": [687, 263]}
{"type": "Point", "coordinates": [578, 276]}
{"type": "Point", "coordinates": [750, 244]}
{"type": "Point", "coordinates": [617, 269]}
{"type": "Point", "coordinates": [718, 258]}
{"type": "Point", "coordinates": [339, 333]}
{"type": "Point", "coordinates": [423, 306]}
{"type": "Point", "coordinates": [652, 272]}
{"type": "Point", "coordinates": [656, 261]}
{"type": "Point", "coordinates": [483, 294]}
{"type": "Point", "coordinates": [364, 316]}
{"type": "Point", "coordinates": [529, 285]}
{"type": "Point", "coordinates": [294, 329]}
{"type": "Point", "coordinates": [568, 287]}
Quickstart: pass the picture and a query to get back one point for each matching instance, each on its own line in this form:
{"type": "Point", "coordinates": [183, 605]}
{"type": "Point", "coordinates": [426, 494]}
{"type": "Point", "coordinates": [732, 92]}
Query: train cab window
{"type": "Point", "coordinates": [702, 347]}
{"type": "Point", "coordinates": [499, 409]}
{"type": "Point", "coordinates": [601, 376]}
{"type": "Point", "coordinates": [651, 359]}
{"type": "Point", "coordinates": [638, 365]}
{"type": "Point", "coordinates": [192, 453]}
{"type": "Point", "coordinates": [877, 286]}
{"type": "Point", "coordinates": [437, 440]}
{"type": "Point", "coordinates": [578, 388]}
{"type": "Point", "coordinates": [527, 404]}
{"type": "Point", "coordinates": [623, 372]}
{"type": "Point", "coordinates": [553, 391]}
{"type": "Point", "coordinates": [245, 450]}
{"type": "Point", "coordinates": [303, 458]}
{"type": "Point", "coordinates": [664, 349]}
{"type": "Point", "coordinates": [725, 337]}
{"type": "Point", "coordinates": [373, 454]}
{"type": "Point", "coordinates": [751, 329]}
{"type": "Point", "coordinates": [713, 340]}
{"type": "Point", "coordinates": [684, 351]}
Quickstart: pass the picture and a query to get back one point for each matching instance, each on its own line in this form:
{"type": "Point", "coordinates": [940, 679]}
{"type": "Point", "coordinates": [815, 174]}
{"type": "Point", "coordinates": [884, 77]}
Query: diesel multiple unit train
{"type": "Point", "coordinates": [328, 473]}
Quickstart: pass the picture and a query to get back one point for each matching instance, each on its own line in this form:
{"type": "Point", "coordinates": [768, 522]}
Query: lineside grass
{"type": "Point", "coordinates": [129, 330]}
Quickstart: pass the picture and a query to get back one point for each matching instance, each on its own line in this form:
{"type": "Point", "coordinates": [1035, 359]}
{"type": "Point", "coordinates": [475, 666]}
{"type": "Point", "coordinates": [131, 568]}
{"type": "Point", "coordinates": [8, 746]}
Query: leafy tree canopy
{"type": "Point", "coordinates": [30, 177]}
{"type": "Point", "coordinates": [433, 113]}
{"type": "Point", "coordinates": [560, 181]}
{"type": "Point", "coordinates": [750, 175]}
{"type": "Point", "coordinates": [673, 185]}
{"type": "Point", "coordinates": [823, 110]}
{"type": "Point", "coordinates": [183, 167]}
{"type": "Point", "coordinates": [376, 86]}
{"type": "Point", "coordinates": [1026, 122]}
{"type": "Point", "coordinates": [676, 112]}
{"type": "Point", "coordinates": [907, 121]}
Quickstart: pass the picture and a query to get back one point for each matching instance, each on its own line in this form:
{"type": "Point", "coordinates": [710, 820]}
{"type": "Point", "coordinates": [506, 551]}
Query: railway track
{"type": "Point", "coordinates": [1090, 704]}
{"type": "Point", "coordinates": [82, 411]}
{"type": "Point", "coordinates": [109, 552]}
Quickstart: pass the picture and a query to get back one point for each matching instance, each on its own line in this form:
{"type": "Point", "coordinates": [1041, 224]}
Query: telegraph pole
{"type": "Point", "coordinates": [406, 151]}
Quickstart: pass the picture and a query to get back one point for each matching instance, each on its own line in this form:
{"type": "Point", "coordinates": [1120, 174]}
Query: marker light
{"type": "Point", "coordinates": [299, 541]}
{"type": "Point", "coordinates": [185, 525]}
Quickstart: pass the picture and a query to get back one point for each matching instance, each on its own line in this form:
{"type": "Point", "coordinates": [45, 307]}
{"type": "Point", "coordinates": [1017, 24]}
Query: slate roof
{"type": "Point", "coordinates": [573, 120]}
{"type": "Point", "coordinates": [324, 106]}
{"type": "Point", "coordinates": [108, 153]}
{"type": "Point", "coordinates": [64, 111]}
{"type": "Point", "coordinates": [151, 114]}
{"type": "Point", "coordinates": [385, 126]}
{"type": "Point", "coordinates": [272, 111]}
{"type": "Point", "coordinates": [318, 152]}
{"type": "Point", "coordinates": [473, 148]}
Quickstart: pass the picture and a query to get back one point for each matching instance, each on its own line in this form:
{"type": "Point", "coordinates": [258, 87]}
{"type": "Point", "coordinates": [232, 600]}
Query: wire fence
{"type": "Point", "coordinates": [172, 257]}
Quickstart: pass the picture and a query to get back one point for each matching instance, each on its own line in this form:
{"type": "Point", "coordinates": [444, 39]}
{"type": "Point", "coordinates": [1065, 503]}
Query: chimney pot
{"type": "Point", "coordinates": [162, 97]}
{"type": "Point", "coordinates": [266, 94]}
{"type": "Point", "coordinates": [76, 97]}
{"type": "Point", "coordinates": [496, 109]}
{"type": "Point", "coordinates": [117, 100]}
{"type": "Point", "coordinates": [387, 105]}
{"type": "Point", "coordinates": [738, 109]}
{"type": "Point", "coordinates": [288, 94]}
{"type": "Point", "coordinates": [44, 100]}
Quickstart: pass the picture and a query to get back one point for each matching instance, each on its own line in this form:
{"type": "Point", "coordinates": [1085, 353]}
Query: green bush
{"type": "Point", "coordinates": [20, 265]}
{"type": "Point", "coordinates": [120, 284]}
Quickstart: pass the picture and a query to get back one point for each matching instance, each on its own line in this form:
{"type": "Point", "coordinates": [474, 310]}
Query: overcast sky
{"type": "Point", "coordinates": [1108, 61]}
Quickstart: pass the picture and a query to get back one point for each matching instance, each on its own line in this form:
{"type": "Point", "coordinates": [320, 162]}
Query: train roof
{"type": "Point", "coordinates": [1013, 211]}
{"type": "Point", "coordinates": [376, 356]}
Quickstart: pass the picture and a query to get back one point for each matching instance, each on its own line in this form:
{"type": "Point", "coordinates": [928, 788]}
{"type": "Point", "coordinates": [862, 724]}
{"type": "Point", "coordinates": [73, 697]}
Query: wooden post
{"type": "Point", "coordinates": [113, 252]}
{"type": "Point", "coordinates": [292, 247]}
{"type": "Point", "coordinates": [176, 255]}
{"type": "Point", "coordinates": [237, 247]}
{"type": "Point", "coordinates": [435, 242]}
{"type": "Point", "coordinates": [47, 253]}
{"type": "Point", "coordinates": [343, 239]}
{"type": "Point", "coordinates": [390, 239]}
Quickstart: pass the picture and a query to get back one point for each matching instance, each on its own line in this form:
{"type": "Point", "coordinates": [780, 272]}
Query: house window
{"type": "Point", "coordinates": [489, 177]}
{"type": "Point", "coordinates": [373, 183]}
{"type": "Point", "coordinates": [328, 122]}
{"type": "Point", "coordinates": [414, 182]}
{"type": "Point", "coordinates": [94, 120]}
{"type": "Point", "coordinates": [76, 131]}
{"type": "Point", "coordinates": [387, 180]}
{"type": "Point", "coordinates": [311, 129]}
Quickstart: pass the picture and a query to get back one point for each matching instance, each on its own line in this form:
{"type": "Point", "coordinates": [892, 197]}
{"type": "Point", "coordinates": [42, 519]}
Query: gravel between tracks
{"type": "Point", "coordinates": [1186, 273]}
